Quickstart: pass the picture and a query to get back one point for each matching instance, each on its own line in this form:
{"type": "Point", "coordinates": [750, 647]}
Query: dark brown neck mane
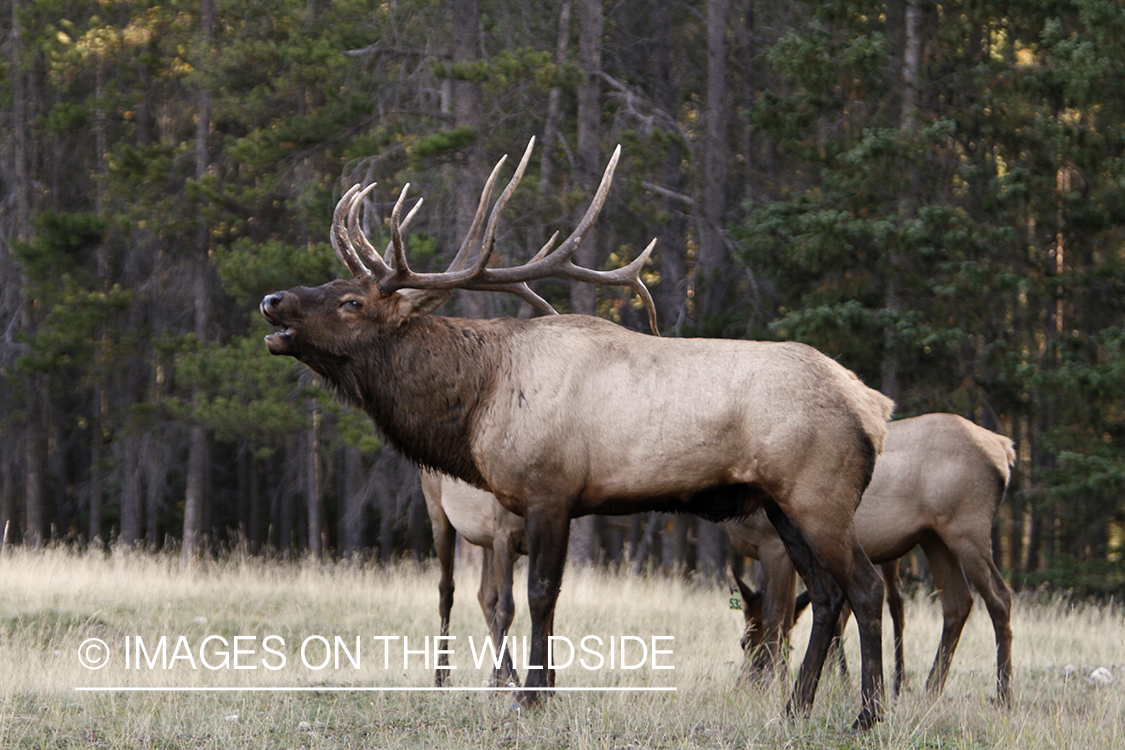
{"type": "Point", "coordinates": [425, 403]}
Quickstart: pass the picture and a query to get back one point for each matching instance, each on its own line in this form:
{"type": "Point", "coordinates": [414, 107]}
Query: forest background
{"type": "Point", "coordinates": [932, 193]}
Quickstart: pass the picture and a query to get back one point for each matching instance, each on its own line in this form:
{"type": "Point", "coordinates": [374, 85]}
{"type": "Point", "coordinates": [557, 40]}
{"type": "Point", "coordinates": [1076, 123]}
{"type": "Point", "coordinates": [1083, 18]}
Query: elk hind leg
{"type": "Point", "coordinates": [833, 545]}
{"type": "Point", "coordinates": [827, 601]}
{"type": "Point", "coordinates": [956, 604]}
{"type": "Point", "coordinates": [997, 597]}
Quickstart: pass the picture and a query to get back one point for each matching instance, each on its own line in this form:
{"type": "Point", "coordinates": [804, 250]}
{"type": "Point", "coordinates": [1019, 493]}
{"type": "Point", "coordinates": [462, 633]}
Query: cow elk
{"type": "Point", "coordinates": [458, 508]}
{"type": "Point", "coordinates": [938, 483]}
{"type": "Point", "coordinates": [562, 416]}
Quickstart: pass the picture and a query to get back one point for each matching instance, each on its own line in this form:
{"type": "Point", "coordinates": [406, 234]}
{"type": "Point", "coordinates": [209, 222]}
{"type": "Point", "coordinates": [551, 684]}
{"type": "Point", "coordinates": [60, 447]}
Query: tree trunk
{"type": "Point", "coordinates": [911, 61]}
{"type": "Point", "coordinates": [589, 153]}
{"type": "Point", "coordinates": [466, 47]}
{"type": "Point", "coordinates": [155, 461]}
{"type": "Point", "coordinates": [255, 530]}
{"type": "Point", "coordinates": [750, 91]}
{"type": "Point", "coordinates": [554, 100]}
{"type": "Point", "coordinates": [538, 235]}
{"type": "Point", "coordinates": [95, 483]}
{"type": "Point", "coordinates": [314, 495]}
{"type": "Point", "coordinates": [353, 497]}
{"type": "Point", "coordinates": [385, 500]}
{"type": "Point", "coordinates": [132, 501]}
{"type": "Point", "coordinates": [711, 550]}
{"type": "Point", "coordinates": [673, 558]}
{"type": "Point", "coordinates": [671, 294]}
{"type": "Point", "coordinates": [21, 189]}
{"type": "Point", "coordinates": [35, 446]}
{"type": "Point", "coordinates": [9, 512]}
{"type": "Point", "coordinates": [713, 255]}
{"type": "Point", "coordinates": [584, 544]}
{"type": "Point", "coordinates": [196, 494]}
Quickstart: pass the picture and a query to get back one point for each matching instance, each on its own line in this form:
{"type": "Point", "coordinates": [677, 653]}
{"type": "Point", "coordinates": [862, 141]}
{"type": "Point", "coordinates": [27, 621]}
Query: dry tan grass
{"type": "Point", "coordinates": [51, 602]}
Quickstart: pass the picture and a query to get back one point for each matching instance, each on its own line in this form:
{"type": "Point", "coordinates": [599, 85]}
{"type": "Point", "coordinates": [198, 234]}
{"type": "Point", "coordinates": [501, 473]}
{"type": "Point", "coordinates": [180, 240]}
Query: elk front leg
{"type": "Point", "coordinates": [779, 588]}
{"type": "Point", "coordinates": [898, 621]}
{"type": "Point", "coordinates": [445, 540]}
{"type": "Point", "coordinates": [548, 531]}
{"type": "Point", "coordinates": [487, 596]}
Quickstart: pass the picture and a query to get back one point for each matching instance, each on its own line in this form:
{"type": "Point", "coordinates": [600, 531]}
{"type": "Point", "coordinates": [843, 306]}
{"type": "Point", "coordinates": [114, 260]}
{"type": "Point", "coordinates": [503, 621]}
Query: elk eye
{"type": "Point", "coordinates": [353, 304]}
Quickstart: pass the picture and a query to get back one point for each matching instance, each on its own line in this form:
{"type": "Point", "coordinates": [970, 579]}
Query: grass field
{"type": "Point", "coordinates": [53, 602]}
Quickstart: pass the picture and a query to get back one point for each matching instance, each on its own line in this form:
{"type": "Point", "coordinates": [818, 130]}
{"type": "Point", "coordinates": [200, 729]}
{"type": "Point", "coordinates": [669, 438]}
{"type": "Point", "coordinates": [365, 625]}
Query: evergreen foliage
{"type": "Point", "coordinates": [945, 219]}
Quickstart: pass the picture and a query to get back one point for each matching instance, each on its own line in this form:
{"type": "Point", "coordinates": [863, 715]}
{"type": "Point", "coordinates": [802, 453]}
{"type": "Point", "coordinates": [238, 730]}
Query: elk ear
{"type": "Point", "coordinates": [422, 302]}
{"type": "Point", "coordinates": [750, 597]}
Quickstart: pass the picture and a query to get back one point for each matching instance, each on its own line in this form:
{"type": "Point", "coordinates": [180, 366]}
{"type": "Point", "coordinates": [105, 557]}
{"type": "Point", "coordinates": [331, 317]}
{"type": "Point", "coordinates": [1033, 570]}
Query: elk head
{"type": "Point", "coordinates": [317, 325]}
{"type": "Point", "coordinates": [752, 634]}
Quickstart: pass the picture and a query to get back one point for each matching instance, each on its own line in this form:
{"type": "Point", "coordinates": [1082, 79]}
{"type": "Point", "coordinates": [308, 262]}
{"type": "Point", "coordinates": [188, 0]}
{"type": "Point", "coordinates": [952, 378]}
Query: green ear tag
{"type": "Point", "coordinates": [735, 598]}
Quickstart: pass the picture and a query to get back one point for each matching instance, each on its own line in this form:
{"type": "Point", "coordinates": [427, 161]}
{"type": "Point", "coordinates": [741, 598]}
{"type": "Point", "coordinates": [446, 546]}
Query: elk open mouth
{"type": "Point", "coordinates": [280, 341]}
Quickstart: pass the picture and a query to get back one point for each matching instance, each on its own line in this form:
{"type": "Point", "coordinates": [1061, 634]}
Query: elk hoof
{"type": "Point", "coordinates": [532, 699]}
{"type": "Point", "coordinates": [865, 721]}
{"type": "Point", "coordinates": [1003, 702]}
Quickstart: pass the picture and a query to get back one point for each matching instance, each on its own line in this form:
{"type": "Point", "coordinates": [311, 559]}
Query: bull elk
{"type": "Point", "coordinates": [562, 416]}
{"type": "Point", "coordinates": [458, 508]}
{"type": "Point", "coordinates": [938, 484]}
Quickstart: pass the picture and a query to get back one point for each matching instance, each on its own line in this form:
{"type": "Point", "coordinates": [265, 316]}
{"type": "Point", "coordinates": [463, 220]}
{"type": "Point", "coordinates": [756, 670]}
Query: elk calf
{"type": "Point", "coordinates": [562, 416]}
{"type": "Point", "coordinates": [458, 508]}
{"type": "Point", "coordinates": [938, 484]}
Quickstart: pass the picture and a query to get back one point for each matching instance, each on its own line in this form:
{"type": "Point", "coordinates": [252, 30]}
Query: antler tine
{"type": "Point", "coordinates": [547, 262]}
{"type": "Point", "coordinates": [357, 240]}
{"type": "Point", "coordinates": [402, 269]}
{"type": "Point", "coordinates": [519, 288]}
{"type": "Point", "coordinates": [546, 248]}
{"type": "Point", "coordinates": [339, 238]}
{"type": "Point", "coordinates": [351, 245]}
{"type": "Point", "coordinates": [631, 277]}
{"type": "Point", "coordinates": [628, 275]}
{"type": "Point", "coordinates": [460, 260]}
{"type": "Point", "coordinates": [557, 262]}
{"type": "Point", "coordinates": [571, 243]}
{"type": "Point", "coordinates": [522, 290]}
{"type": "Point", "coordinates": [501, 202]}
{"type": "Point", "coordinates": [387, 254]}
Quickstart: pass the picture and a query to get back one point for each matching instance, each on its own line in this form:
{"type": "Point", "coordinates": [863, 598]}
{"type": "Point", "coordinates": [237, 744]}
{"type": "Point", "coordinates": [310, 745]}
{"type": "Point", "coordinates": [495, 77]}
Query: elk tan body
{"type": "Point", "coordinates": [567, 415]}
{"type": "Point", "coordinates": [938, 484]}
{"type": "Point", "coordinates": [456, 507]}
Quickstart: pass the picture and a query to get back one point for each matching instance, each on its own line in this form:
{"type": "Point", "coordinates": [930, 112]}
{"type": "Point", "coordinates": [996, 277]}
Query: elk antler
{"type": "Point", "coordinates": [361, 258]}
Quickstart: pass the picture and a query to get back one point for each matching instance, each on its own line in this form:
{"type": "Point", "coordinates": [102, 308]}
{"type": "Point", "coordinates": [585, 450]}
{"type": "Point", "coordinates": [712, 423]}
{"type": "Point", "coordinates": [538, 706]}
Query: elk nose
{"type": "Point", "coordinates": [270, 306]}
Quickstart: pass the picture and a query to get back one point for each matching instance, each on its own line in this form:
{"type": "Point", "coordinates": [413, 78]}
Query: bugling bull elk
{"type": "Point", "coordinates": [562, 416]}
{"type": "Point", "coordinates": [455, 507]}
{"type": "Point", "coordinates": [938, 483]}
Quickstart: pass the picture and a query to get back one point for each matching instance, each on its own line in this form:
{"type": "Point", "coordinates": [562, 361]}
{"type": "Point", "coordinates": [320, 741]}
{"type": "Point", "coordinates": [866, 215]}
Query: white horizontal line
{"type": "Point", "coordinates": [111, 689]}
